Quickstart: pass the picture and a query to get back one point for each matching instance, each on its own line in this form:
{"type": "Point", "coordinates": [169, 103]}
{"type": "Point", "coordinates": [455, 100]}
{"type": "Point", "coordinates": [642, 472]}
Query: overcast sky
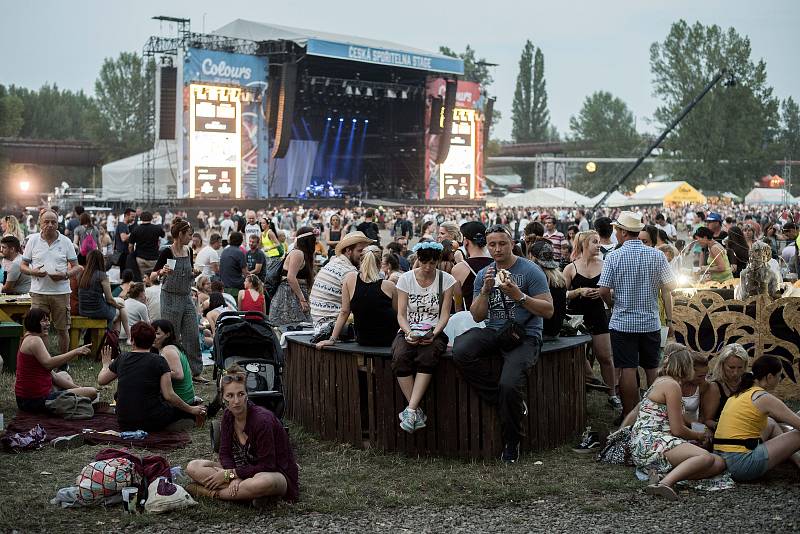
{"type": "Point", "coordinates": [588, 45]}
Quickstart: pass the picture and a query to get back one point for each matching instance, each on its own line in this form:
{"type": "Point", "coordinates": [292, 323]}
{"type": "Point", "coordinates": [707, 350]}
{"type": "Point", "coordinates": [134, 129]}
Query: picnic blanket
{"type": "Point", "coordinates": [57, 427]}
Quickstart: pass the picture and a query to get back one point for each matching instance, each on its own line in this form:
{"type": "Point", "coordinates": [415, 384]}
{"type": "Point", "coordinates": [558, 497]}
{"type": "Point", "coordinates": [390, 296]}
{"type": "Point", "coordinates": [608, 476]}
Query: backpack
{"type": "Point", "coordinates": [102, 478]}
{"type": "Point", "coordinates": [70, 406]}
{"type": "Point", "coordinates": [88, 244]}
{"type": "Point", "coordinates": [272, 279]}
{"type": "Point", "coordinates": [164, 496]}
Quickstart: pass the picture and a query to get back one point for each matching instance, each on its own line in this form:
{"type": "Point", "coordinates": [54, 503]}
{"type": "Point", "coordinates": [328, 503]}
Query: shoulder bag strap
{"type": "Point", "coordinates": [439, 274]}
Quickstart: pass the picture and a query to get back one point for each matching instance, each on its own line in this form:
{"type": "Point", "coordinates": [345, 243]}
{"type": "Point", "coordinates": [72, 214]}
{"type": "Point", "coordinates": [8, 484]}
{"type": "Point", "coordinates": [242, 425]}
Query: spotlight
{"type": "Point", "coordinates": [341, 119]}
{"type": "Point", "coordinates": [369, 91]}
{"type": "Point", "coordinates": [329, 119]}
{"type": "Point", "coordinates": [358, 91]}
{"type": "Point", "coordinates": [349, 91]}
{"type": "Point", "coordinates": [354, 121]}
{"type": "Point", "coordinates": [344, 83]}
{"type": "Point", "coordinates": [391, 93]}
{"type": "Point", "coordinates": [327, 82]}
{"type": "Point", "coordinates": [404, 95]}
{"type": "Point", "coordinates": [366, 121]}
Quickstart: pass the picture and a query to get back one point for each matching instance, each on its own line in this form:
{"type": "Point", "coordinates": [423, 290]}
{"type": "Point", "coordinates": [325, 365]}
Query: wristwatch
{"type": "Point", "coordinates": [521, 301]}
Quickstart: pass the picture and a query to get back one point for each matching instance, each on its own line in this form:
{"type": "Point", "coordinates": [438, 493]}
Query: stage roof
{"type": "Point", "coordinates": [346, 47]}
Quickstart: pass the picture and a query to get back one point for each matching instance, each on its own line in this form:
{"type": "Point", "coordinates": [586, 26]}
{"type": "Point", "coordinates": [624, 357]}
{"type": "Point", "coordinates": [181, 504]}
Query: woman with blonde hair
{"type": "Point", "coordinates": [12, 227]}
{"type": "Point", "coordinates": [449, 231]}
{"type": "Point", "coordinates": [372, 301]}
{"type": "Point", "coordinates": [660, 437]}
{"type": "Point", "coordinates": [726, 375]}
{"type": "Point", "coordinates": [583, 297]}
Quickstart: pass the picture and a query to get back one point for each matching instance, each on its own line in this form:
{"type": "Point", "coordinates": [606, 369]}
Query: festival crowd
{"type": "Point", "coordinates": [484, 283]}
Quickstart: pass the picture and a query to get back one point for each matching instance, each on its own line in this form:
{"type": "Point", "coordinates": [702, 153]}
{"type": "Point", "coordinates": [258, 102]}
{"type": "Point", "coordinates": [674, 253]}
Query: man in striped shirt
{"type": "Point", "coordinates": [553, 235]}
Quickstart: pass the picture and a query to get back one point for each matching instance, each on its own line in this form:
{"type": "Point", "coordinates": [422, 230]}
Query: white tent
{"type": "Point", "coordinates": [546, 197]}
{"type": "Point", "coordinates": [504, 180]}
{"type": "Point", "coordinates": [766, 195]}
{"type": "Point", "coordinates": [615, 200]}
{"type": "Point", "coordinates": [122, 179]}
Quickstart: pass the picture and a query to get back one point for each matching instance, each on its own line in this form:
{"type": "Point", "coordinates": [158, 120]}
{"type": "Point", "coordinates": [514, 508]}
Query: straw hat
{"type": "Point", "coordinates": [353, 238]}
{"type": "Point", "coordinates": [628, 220]}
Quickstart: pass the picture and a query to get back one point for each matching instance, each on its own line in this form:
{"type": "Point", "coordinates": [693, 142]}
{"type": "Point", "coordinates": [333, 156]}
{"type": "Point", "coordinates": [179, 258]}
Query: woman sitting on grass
{"type": "Point", "coordinates": [166, 344]}
{"type": "Point", "coordinates": [37, 380]}
{"type": "Point", "coordinates": [729, 367]}
{"type": "Point", "coordinates": [741, 433]}
{"type": "Point", "coordinates": [256, 460]}
{"type": "Point", "coordinates": [424, 296]}
{"type": "Point", "coordinates": [695, 392]}
{"type": "Point", "coordinates": [660, 437]}
{"type": "Point", "coordinates": [251, 298]}
{"type": "Point", "coordinates": [145, 398]}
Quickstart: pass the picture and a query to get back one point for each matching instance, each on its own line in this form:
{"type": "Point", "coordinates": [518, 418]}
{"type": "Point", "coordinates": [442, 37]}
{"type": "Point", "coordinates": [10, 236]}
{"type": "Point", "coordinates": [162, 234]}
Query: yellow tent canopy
{"type": "Point", "coordinates": [668, 193]}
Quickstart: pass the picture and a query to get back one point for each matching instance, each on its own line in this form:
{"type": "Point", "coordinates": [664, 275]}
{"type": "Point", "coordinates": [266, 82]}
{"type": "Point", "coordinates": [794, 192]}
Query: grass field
{"type": "Point", "coordinates": [335, 479]}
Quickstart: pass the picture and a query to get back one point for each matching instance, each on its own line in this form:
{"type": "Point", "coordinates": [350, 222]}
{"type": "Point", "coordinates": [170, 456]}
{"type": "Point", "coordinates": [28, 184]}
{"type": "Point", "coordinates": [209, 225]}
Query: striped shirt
{"type": "Point", "coordinates": [556, 238]}
{"type": "Point", "coordinates": [635, 272]}
{"type": "Point", "coordinates": [325, 300]}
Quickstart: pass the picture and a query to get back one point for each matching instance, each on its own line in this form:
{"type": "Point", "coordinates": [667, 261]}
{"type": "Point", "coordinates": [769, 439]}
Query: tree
{"type": "Point", "coordinates": [53, 113]}
{"type": "Point", "coordinates": [723, 140]}
{"type": "Point", "coordinates": [790, 129]}
{"type": "Point", "coordinates": [11, 109]}
{"type": "Point", "coordinates": [521, 105]}
{"type": "Point", "coordinates": [123, 92]}
{"type": "Point", "coordinates": [540, 116]}
{"type": "Point", "coordinates": [529, 114]}
{"type": "Point", "coordinates": [475, 70]}
{"type": "Point", "coordinates": [607, 126]}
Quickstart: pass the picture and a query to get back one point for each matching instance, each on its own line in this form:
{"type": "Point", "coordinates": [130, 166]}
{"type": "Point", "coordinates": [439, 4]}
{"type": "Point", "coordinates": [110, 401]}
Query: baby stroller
{"type": "Point", "coordinates": [247, 339]}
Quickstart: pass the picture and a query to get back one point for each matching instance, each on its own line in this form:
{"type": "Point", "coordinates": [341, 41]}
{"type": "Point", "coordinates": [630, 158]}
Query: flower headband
{"type": "Point", "coordinates": [433, 245]}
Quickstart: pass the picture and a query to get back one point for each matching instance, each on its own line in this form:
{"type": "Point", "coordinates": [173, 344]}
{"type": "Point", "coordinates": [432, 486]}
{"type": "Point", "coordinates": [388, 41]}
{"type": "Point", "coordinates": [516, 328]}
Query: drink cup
{"type": "Point", "coordinates": [130, 495]}
{"type": "Point", "coordinates": [171, 263]}
{"type": "Point", "coordinates": [200, 420]}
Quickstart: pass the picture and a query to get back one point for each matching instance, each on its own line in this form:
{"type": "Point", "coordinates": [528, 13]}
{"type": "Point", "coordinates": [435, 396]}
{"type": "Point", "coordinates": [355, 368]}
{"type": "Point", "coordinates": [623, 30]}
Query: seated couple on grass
{"type": "Point", "coordinates": [145, 397]}
{"type": "Point", "coordinates": [38, 379]}
{"type": "Point", "coordinates": [256, 460]}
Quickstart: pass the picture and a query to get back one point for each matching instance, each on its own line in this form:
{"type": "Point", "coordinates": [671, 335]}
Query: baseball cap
{"type": "Point", "coordinates": [714, 217]}
{"type": "Point", "coordinates": [472, 228]}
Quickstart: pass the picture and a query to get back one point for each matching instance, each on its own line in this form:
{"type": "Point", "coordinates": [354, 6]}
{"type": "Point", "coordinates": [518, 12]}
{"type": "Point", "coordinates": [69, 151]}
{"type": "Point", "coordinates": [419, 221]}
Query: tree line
{"type": "Point", "coordinates": [731, 139]}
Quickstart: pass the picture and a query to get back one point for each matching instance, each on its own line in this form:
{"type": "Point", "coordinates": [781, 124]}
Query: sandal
{"type": "Point", "coordinates": [200, 380]}
{"type": "Point", "coordinates": [661, 490]}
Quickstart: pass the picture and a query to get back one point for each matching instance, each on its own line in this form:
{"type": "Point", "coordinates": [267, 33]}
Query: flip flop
{"type": "Point", "coordinates": [661, 490]}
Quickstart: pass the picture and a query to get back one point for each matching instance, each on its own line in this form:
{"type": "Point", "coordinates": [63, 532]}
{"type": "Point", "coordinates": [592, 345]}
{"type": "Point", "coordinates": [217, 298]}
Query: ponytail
{"type": "Point", "coordinates": [747, 382]}
{"type": "Point", "coordinates": [369, 269]}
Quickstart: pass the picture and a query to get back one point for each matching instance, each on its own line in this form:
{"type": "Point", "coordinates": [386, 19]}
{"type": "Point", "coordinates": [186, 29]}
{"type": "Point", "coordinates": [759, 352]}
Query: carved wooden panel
{"type": "Point", "coordinates": [705, 322]}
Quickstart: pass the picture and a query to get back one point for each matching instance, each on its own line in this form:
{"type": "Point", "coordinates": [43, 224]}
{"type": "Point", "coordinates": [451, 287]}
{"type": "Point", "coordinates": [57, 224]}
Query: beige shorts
{"type": "Point", "coordinates": [145, 266]}
{"type": "Point", "coordinates": [57, 306]}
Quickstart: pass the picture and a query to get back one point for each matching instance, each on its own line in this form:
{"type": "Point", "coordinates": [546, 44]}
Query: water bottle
{"type": "Point", "coordinates": [2, 423]}
{"type": "Point", "coordinates": [133, 435]}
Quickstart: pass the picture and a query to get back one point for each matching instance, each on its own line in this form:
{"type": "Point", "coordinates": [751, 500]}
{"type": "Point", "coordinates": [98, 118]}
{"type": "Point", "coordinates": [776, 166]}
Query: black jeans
{"type": "Point", "coordinates": [471, 353]}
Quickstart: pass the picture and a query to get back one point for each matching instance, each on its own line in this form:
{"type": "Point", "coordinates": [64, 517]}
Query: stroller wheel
{"type": "Point", "coordinates": [215, 429]}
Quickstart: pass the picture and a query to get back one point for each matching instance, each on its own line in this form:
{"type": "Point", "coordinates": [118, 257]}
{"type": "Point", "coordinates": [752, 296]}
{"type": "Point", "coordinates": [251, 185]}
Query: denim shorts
{"type": "Point", "coordinates": [744, 466]}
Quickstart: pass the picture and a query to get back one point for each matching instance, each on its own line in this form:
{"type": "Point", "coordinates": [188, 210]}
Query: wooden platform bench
{"type": "Point", "coordinates": [97, 327]}
{"type": "Point", "coordinates": [348, 393]}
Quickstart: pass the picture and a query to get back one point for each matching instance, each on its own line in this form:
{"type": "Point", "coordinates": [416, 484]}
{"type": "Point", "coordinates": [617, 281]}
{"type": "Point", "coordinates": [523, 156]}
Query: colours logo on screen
{"type": "Point", "coordinates": [224, 70]}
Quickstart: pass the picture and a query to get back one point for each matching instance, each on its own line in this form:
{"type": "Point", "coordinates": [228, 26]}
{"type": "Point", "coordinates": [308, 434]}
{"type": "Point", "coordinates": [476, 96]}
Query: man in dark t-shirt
{"type": "Point", "coordinates": [233, 265]}
{"type": "Point", "coordinates": [256, 259]}
{"type": "Point", "coordinates": [369, 228]}
{"type": "Point", "coordinates": [145, 239]}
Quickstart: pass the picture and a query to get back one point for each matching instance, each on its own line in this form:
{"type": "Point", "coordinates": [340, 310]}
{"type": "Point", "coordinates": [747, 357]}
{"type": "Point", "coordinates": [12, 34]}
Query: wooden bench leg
{"type": "Point", "coordinates": [74, 334]}
{"type": "Point", "coordinates": [97, 337]}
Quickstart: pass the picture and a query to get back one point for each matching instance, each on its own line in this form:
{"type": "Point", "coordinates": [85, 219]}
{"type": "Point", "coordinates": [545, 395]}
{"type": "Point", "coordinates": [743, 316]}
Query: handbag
{"type": "Point", "coordinates": [273, 277]}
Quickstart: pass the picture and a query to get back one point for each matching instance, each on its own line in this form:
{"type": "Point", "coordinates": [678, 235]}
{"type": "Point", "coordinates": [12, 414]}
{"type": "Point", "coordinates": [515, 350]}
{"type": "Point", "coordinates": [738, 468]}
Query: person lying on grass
{"type": "Point", "coordinates": [742, 437]}
{"type": "Point", "coordinates": [145, 398]}
{"type": "Point", "coordinates": [660, 437]}
{"type": "Point", "coordinates": [256, 460]}
{"type": "Point", "coordinates": [37, 379]}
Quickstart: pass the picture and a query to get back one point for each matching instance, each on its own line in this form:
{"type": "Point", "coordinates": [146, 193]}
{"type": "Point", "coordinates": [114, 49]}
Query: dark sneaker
{"type": "Point", "coordinates": [68, 442]}
{"type": "Point", "coordinates": [589, 442]}
{"type": "Point", "coordinates": [615, 403]}
{"type": "Point", "coordinates": [510, 453]}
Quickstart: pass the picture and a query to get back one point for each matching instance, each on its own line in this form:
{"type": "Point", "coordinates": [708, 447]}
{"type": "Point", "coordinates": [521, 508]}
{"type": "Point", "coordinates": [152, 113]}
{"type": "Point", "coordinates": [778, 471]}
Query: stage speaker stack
{"type": "Point", "coordinates": [436, 115]}
{"type": "Point", "coordinates": [271, 98]}
{"type": "Point", "coordinates": [285, 110]}
{"type": "Point", "coordinates": [447, 123]}
{"type": "Point", "coordinates": [167, 102]}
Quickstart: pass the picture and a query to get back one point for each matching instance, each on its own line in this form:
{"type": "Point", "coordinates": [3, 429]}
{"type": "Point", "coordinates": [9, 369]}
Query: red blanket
{"type": "Point", "coordinates": [56, 427]}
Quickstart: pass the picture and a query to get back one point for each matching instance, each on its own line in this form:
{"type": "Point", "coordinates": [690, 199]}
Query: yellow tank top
{"type": "Point", "coordinates": [740, 419]}
{"type": "Point", "coordinates": [267, 245]}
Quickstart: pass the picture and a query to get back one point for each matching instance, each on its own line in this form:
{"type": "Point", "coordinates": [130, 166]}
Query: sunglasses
{"type": "Point", "coordinates": [236, 377]}
{"type": "Point", "coordinates": [498, 228]}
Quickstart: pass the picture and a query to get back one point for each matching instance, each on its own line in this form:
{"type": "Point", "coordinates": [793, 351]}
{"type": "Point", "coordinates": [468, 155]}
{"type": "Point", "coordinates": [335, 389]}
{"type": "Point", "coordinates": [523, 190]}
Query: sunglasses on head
{"type": "Point", "coordinates": [236, 377]}
{"type": "Point", "coordinates": [498, 228]}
